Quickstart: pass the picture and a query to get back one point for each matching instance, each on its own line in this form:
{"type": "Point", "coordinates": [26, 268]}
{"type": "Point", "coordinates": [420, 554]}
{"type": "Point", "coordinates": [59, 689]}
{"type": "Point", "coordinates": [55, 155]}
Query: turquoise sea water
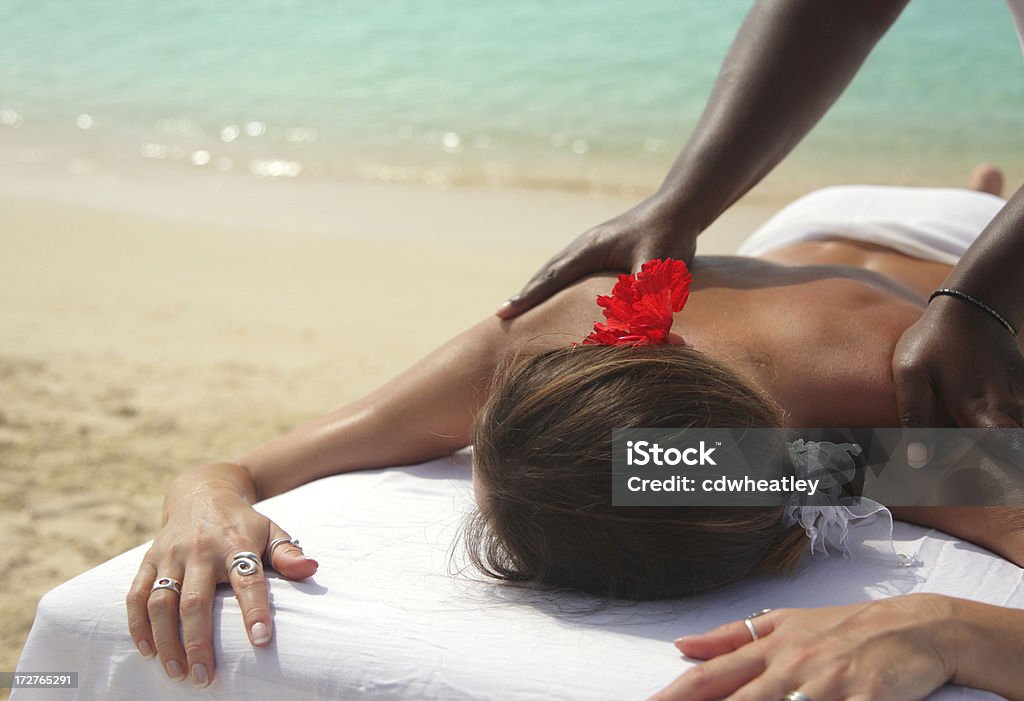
{"type": "Point", "coordinates": [569, 94]}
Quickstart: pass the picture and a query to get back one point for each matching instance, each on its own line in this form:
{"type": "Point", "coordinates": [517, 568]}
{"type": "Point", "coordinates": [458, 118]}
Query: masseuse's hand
{"type": "Point", "coordinates": [958, 363]}
{"type": "Point", "coordinates": [888, 650]}
{"type": "Point", "coordinates": [649, 230]}
{"type": "Point", "coordinates": [202, 533]}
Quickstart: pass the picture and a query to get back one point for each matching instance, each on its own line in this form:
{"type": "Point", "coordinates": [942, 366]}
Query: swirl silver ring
{"type": "Point", "coordinates": [167, 583]}
{"type": "Point", "coordinates": [246, 562]}
{"type": "Point", "coordinates": [796, 696]}
{"type": "Point", "coordinates": [280, 541]}
{"type": "Point", "coordinates": [759, 613]}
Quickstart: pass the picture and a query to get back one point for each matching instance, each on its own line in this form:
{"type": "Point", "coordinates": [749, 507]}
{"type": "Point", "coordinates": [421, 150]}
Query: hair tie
{"type": "Point", "coordinates": [827, 516]}
{"type": "Point", "coordinates": [640, 308]}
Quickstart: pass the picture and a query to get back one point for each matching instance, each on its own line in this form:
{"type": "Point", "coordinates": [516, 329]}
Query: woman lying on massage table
{"type": "Point", "coordinates": [797, 336]}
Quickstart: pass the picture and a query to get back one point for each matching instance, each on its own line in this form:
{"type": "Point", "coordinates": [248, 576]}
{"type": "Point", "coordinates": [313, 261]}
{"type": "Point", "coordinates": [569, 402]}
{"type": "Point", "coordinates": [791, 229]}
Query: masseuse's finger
{"type": "Point", "coordinates": [288, 558]}
{"type": "Point", "coordinates": [163, 617]}
{"type": "Point", "coordinates": [730, 636]}
{"type": "Point", "coordinates": [138, 616]}
{"type": "Point", "coordinates": [918, 408]}
{"type": "Point", "coordinates": [1001, 405]}
{"type": "Point", "coordinates": [197, 592]}
{"type": "Point", "coordinates": [919, 444]}
{"type": "Point", "coordinates": [1002, 415]}
{"type": "Point", "coordinates": [250, 585]}
{"type": "Point", "coordinates": [994, 398]}
{"type": "Point", "coordinates": [561, 271]}
{"type": "Point", "coordinates": [915, 398]}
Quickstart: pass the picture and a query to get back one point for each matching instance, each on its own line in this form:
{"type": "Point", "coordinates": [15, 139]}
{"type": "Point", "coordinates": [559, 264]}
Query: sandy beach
{"type": "Point", "coordinates": [152, 325]}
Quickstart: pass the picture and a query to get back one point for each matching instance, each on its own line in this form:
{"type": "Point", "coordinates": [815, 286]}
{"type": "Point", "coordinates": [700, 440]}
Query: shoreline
{"type": "Point", "coordinates": [50, 155]}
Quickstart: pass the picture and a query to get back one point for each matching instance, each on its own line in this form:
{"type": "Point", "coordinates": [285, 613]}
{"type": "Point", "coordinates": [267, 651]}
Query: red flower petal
{"type": "Point", "coordinates": [639, 310]}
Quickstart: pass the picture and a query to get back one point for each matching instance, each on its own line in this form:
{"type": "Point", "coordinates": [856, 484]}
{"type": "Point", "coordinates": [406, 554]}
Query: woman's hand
{"type": "Point", "coordinates": [958, 362]}
{"type": "Point", "coordinates": [206, 526]}
{"type": "Point", "coordinates": [649, 230]}
{"type": "Point", "coordinates": [888, 650]}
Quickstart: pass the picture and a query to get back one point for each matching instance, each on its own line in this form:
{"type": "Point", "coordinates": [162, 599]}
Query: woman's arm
{"type": "Point", "coordinates": [989, 647]}
{"type": "Point", "coordinates": [425, 412]}
{"type": "Point", "coordinates": [428, 410]}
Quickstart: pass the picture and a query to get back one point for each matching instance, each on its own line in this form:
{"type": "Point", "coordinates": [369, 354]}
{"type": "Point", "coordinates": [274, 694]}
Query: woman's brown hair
{"type": "Point", "coordinates": [542, 461]}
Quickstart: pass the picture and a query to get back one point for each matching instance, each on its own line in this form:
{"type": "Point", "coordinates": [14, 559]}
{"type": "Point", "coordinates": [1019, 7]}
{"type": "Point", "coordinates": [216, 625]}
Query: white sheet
{"type": "Point", "coordinates": [384, 618]}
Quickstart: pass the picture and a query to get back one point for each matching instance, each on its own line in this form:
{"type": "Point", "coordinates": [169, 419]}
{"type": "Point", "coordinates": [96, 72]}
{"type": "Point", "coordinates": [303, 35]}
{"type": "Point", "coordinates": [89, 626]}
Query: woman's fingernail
{"type": "Point", "coordinates": [200, 677]}
{"type": "Point", "coordinates": [309, 559]}
{"type": "Point", "coordinates": [145, 649]}
{"type": "Point", "coordinates": [260, 633]}
{"type": "Point", "coordinates": [680, 641]}
{"type": "Point", "coordinates": [917, 455]}
{"type": "Point", "coordinates": [173, 669]}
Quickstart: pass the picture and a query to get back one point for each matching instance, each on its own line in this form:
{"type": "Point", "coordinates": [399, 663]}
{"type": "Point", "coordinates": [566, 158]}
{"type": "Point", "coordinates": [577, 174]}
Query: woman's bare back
{"type": "Point", "coordinates": [818, 337]}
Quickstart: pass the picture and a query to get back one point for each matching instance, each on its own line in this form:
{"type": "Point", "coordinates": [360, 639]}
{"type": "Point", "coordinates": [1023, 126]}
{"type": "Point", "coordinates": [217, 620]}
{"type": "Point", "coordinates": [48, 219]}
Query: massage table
{"type": "Point", "coordinates": [392, 612]}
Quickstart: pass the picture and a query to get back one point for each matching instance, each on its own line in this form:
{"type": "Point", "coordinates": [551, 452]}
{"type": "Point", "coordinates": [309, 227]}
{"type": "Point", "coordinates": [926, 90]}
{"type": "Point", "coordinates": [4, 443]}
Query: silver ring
{"type": "Point", "coordinates": [796, 696]}
{"type": "Point", "coordinates": [246, 562]}
{"type": "Point", "coordinates": [750, 626]}
{"type": "Point", "coordinates": [759, 613]}
{"type": "Point", "coordinates": [167, 583]}
{"type": "Point", "coordinates": [278, 541]}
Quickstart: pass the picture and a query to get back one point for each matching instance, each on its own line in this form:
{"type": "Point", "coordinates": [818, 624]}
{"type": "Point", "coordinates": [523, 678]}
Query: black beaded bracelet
{"type": "Point", "coordinates": [976, 302]}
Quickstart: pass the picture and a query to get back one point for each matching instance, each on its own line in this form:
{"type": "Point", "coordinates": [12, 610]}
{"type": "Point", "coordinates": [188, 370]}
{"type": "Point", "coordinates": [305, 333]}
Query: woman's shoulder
{"type": "Point", "coordinates": [818, 338]}
{"type": "Point", "coordinates": [566, 317]}
{"type": "Point", "coordinates": [831, 354]}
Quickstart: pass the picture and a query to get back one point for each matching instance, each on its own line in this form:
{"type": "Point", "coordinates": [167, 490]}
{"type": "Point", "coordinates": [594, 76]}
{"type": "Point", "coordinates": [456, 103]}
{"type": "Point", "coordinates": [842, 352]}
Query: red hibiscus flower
{"type": "Point", "coordinates": [639, 310]}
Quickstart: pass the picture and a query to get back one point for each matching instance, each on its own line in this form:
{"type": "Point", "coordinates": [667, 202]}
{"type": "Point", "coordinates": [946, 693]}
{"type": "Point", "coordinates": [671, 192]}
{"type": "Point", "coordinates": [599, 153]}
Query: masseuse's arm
{"type": "Point", "coordinates": [790, 61]}
{"type": "Point", "coordinates": [894, 650]}
{"type": "Point", "coordinates": [959, 361]}
{"type": "Point", "coordinates": [423, 413]}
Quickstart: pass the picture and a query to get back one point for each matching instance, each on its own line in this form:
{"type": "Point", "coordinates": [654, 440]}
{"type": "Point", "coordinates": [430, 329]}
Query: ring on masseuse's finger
{"type": "Point", "coordinates": [167, 583]}
{"type": "Point", "coordinates": [246, 562]}
{"type": "Point", "coordinates": [759, 613]}
{"type": "Point", "coordinates": [796, 696]}
{"type": "Point", "coordinates": [280, 541]}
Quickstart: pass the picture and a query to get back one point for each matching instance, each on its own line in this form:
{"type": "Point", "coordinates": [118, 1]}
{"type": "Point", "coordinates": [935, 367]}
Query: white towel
{"type": "Point", "coordinates": [931, 223]}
